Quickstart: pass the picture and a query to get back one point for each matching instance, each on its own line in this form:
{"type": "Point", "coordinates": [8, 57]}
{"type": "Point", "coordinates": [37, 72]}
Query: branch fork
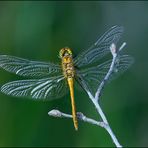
{"type": "Point", "coordinates": [95, 100]}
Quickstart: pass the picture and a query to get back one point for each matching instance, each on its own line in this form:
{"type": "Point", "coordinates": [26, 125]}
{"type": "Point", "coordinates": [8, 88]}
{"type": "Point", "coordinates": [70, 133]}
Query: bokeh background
{"type": "Point", "coordinates": [36, 31]}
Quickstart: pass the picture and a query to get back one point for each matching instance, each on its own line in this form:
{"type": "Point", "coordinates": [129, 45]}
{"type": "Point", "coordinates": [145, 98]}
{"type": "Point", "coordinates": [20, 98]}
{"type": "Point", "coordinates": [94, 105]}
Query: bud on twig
{"type": "Point", "coordinates": [55, 113]}
{"type": "Point", "coordinates": [113, 49]}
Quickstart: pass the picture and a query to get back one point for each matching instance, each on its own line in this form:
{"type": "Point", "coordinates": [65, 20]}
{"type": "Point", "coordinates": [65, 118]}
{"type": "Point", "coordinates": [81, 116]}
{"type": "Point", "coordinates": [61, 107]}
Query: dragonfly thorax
{"type": "Point", "coordinates": [67, 62]}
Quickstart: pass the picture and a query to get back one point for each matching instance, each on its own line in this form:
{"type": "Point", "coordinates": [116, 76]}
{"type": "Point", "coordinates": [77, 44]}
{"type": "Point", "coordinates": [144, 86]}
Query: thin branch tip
{"type": "Point", "coordinates": [122, 46]}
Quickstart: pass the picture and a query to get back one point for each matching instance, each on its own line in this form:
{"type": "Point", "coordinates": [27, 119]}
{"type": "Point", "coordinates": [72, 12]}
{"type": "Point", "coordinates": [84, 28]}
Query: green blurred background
{"type": "Point", "coordinates": [36, 31]}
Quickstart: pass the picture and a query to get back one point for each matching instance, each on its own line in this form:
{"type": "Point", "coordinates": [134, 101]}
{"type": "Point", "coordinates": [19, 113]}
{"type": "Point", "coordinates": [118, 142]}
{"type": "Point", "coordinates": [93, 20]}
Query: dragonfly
{"type": "Point", "coordinates": [48, 81]}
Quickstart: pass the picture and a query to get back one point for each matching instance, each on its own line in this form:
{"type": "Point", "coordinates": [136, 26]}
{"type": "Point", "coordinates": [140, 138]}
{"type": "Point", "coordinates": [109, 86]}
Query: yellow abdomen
{"type": "Point", "coordinates": [68, 71]}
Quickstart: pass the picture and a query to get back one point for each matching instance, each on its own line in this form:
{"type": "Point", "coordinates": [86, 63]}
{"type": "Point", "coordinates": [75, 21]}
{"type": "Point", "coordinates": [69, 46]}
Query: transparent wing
{"type": "Point", "coordinates": [49, 88]}
{"type": "Point", "coordinates": [100, 48]}
{"type": "Point", "coordinates": [91, 78]}
{"type": "Point", "coordinates": [24, 67]}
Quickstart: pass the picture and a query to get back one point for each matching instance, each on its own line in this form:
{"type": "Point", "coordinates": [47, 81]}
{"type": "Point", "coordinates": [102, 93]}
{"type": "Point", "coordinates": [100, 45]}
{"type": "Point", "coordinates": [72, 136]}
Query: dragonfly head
{"type": "Point", "coordinates": [65, 52]}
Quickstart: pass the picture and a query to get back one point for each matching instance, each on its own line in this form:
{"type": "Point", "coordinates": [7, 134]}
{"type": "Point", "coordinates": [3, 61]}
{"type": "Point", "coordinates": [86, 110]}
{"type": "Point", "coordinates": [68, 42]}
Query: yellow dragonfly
{"type": "Point", "coordinates": [50, 81]}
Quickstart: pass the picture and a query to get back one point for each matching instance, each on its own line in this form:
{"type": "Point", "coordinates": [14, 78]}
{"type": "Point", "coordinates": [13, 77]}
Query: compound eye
{"type": "Point", "coordinates": [61, 53]}
{"type": "Point", "coordinates": [65, 51]}
{"type": "Point", "coordinates": [69, 51]}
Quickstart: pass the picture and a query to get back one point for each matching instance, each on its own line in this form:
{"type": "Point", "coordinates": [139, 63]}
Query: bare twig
{"type": "Point", "coordinates": [99, 90]}
{"type": "Point", "coordinates": [114, 54]}
{"type": "Point", "coordinates": [81, 116]}
{"type": "Point", "coordinates": [107, 127]}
